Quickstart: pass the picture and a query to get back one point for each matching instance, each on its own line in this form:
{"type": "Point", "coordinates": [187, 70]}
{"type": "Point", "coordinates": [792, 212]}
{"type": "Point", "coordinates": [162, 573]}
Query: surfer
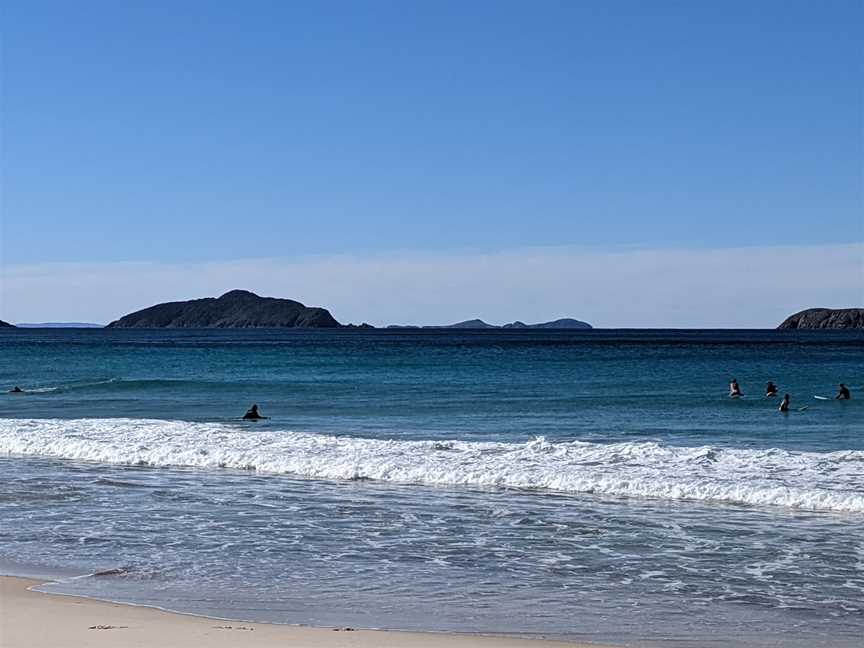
{"type": "Point", "coordinates": [770, 390]}
{"type": "Point", "coordinates": [734, 389]}
{"type": "Point", "coordinates": [843, 394]}
{"type": "Point", "coordinates": [784, 406]}
{"type": "Point", "coordinates": [16, 390]}
{"type": "Point", "coordinates": [253, 414]}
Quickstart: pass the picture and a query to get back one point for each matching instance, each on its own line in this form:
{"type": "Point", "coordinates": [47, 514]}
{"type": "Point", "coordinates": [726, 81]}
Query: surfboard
{"type": "Point", "coordinates": [821, 398]}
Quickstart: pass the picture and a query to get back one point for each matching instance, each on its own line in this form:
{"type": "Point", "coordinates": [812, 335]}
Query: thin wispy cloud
{"type": "Point", "coordinates": [726, 287]}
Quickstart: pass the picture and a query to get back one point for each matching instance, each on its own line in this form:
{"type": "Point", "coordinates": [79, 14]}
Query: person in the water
{"type": "Point", "coordinates": [770, 389]}
{"type": "Point", "coordinates": [843, 394]}
{"type": "Point", "coordinates": [784, 406]}
{"type": "Point", "coordinates": [734, 389]}
{"type": "Point", "coordinates": [253, 414]}
{"type": "Point", "coordinates": [16, 390]}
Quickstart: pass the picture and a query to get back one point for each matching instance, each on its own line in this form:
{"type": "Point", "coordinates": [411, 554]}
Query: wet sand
{"type": "Point", "coordinates": [31, 619]}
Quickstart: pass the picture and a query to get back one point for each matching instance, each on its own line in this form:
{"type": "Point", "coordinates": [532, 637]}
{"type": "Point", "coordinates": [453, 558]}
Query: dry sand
{"type": "Point", "coordinates": [31, 619]}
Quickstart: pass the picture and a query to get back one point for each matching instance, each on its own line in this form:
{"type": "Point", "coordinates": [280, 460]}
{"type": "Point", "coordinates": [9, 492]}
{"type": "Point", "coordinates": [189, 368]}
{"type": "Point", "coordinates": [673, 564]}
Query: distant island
{"type": "Point", "coordinates": [234, 309]}
{"type": "Point", "coordinates": [478, 324]}
{"type": "Point", "coordinates": [563, 323]}
{"type": "Point", "coordinates": [6, 324]}
{"type": "Point", "coordinates": [467, 324]}
{"type": "Point", "coordinates": [825, 318]}
{"type": "Point", "coordinates": [58, 325]}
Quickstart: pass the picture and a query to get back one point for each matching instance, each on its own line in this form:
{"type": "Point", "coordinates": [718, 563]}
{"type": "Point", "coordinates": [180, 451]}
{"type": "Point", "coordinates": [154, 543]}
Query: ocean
{"type": "Point", "coordinates": [596, 485]}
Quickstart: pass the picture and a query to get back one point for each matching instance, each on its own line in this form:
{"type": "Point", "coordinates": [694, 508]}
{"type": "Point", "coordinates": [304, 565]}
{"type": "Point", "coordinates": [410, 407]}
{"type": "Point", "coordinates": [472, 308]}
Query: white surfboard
{"type": "Point", "coordinates": [821, 398]}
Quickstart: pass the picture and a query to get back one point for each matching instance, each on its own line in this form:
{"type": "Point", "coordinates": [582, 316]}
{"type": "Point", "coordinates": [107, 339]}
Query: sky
{"type": "Point", "coordinates": [628, 163]}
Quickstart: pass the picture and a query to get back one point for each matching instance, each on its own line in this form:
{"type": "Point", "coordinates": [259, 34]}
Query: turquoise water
{"type": "Point", "coordinates": [598, 485]}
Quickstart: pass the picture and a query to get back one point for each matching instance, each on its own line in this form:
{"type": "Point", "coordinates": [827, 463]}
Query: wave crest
{"type": "Point", "coordinates": [772, 477]}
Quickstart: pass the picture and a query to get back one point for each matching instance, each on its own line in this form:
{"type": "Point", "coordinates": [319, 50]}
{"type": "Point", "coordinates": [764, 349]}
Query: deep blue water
{"type": "Point", "coordinates": [595, 484]}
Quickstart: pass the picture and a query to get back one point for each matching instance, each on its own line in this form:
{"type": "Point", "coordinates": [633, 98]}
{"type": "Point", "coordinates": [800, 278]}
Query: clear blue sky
{"type": "Point", "coordinates": [210, 130]}
{"type": "Point", "coordinates": [183, 132]}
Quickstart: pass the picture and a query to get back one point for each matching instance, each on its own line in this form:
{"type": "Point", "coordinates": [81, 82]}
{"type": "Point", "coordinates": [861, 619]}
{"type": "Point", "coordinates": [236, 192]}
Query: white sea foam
{"type": "Point", "coordinates": [831, 481]}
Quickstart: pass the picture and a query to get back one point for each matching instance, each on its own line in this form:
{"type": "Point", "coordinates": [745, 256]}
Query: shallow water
{"type": "Point", "coordinates": [597, 485]}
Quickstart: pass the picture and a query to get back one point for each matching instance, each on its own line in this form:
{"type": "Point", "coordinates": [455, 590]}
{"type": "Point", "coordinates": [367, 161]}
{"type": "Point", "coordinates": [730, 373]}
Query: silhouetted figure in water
{"type": "Point", "coordinates": [253, 414]}
{"type": "Point", "coordinates": [843, 394]}
{"type": "Point", "coordinates": [784, 406]}
{"type": "Point", "coordinates": [771, 389]}
{"type": "Point", "coordinates": [16, 390]}
{"type": "Point", "coordinates": [734, 389]}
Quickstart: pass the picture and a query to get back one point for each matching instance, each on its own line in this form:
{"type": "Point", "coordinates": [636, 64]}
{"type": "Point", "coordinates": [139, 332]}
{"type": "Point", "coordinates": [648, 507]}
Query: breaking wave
{"type": "Point", "coordinates": [832, 481]}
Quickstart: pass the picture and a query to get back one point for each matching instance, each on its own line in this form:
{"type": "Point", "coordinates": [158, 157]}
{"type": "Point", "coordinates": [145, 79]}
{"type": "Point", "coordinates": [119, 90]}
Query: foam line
{"type": "Point", "coordinates": [831, 481]}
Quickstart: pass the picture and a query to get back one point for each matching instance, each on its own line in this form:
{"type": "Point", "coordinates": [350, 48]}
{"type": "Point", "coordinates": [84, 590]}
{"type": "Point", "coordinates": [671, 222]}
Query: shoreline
{"type": "Point", "coordinates": [33, 619]}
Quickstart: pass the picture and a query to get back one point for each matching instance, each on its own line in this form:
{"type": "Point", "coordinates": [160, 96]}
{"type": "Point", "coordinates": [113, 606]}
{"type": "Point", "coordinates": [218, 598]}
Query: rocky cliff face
{"type": "Point", "coordinates": [234, 309]}
{"type": "Point", "coordinates": [825, 318]}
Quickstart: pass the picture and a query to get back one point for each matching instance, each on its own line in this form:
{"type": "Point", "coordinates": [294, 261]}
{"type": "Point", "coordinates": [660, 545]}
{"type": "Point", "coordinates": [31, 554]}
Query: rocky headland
{"type": "Point", "coordinates": [234, 309]}
{"type": "Point", "coordinates": [825, 318]}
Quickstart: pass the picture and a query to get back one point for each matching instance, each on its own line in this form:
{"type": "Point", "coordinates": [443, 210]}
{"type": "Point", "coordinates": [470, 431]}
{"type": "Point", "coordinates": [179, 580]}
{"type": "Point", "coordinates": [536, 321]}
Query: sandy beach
{"type": "Point", "coordinates": [31, 619]}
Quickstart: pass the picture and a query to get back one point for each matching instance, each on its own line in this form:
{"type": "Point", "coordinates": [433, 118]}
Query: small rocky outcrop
{"type": "Point", "coordinates": [825, 318]}
{"type": "Point", "coordinates": [234, 309]}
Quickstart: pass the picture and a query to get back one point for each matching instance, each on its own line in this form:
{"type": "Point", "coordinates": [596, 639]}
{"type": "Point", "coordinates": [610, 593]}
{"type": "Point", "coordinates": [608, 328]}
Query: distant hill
{"type": "Point", "coordinates": [6, 324]}
{"type": "Point", "coordinates": [234, 309]}
{"type": "Point", "coordinates": [563, 323]}
{"type": "Point", "coordinates": [58, 325]}
{"type": "Point", "coordinates": [825, 318]}
{"type": "Point", "coordinates": [467, 324]}
{"type": "Point", "coordinates": [478, 324]}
